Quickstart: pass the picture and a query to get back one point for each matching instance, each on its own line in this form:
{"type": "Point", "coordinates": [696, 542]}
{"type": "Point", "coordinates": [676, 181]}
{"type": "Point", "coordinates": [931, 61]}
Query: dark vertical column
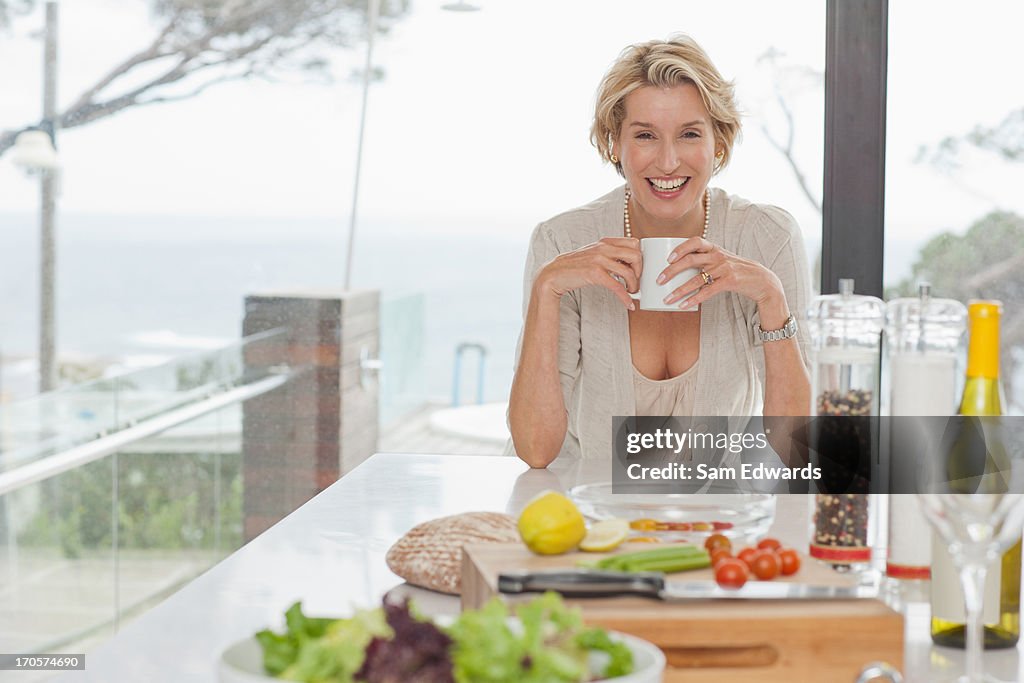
{"type": "Point", "coordinates": [853, 207]}
{"type": "Point", "coordinates": [299, 439]}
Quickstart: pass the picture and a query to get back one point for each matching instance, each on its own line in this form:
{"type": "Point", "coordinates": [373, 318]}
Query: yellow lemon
{"type": "Point", "coordinates": [606, 535]}
{"type": "Point", "coordinates": [550, 524]}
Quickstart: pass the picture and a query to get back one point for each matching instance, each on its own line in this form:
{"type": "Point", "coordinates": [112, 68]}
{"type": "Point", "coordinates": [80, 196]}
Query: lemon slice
{"type": "Point", "coordinates": [606, 535]}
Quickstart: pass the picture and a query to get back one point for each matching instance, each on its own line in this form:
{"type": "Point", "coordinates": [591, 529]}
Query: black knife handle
{"type": "Point", "coordinates": [581, 583]}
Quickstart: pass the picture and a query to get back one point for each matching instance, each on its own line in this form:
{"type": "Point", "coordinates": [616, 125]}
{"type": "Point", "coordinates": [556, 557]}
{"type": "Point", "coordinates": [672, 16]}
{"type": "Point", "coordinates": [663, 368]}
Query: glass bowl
{"type": "Point", "coordinates": [680, 516]}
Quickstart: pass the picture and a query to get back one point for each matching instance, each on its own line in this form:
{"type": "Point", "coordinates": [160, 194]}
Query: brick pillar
{"type": "Point", "coordinates": [299, 439]}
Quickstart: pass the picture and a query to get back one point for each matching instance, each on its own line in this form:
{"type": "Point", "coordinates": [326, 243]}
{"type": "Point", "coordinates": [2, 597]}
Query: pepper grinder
{"type": "Point", "coordinates": [846, 331]}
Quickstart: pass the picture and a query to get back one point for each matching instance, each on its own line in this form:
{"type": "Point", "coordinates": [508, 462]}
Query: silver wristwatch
{"type": "Point", "coordinates": [787, 331]}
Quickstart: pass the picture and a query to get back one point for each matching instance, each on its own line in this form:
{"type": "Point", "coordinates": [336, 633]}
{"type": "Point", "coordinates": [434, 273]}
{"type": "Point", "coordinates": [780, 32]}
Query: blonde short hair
{"type": "Point", "coordinates": [664, 64]}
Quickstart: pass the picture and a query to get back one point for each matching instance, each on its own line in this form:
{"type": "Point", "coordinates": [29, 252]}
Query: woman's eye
{"type": "Point", "coordinates": [691, 134]}
{"type": "Point", "coordinates": [644, 136]}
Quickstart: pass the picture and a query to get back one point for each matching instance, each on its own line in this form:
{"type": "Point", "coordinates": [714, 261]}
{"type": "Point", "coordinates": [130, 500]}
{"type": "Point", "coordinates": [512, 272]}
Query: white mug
{"type": "Point", "coordinates": [652, 295]}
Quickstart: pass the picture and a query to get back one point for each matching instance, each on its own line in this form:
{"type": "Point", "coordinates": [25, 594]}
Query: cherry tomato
{"type": "Point", "coordinates": [719, 554]}
{"type": "Point", "coordinates": [717, 541]}
{"type": "Point", "coordinates": [766, 565]}
{"type": "Point", "coordinates": [731, 573]}
{"type": "Point", "coordinates": [721, 526]}
{"type": "Point", "coordinates": [790, 561]}
{"type": "Point", "coordinates": [770, 544]}
{"type": "Point", "coordinates": [747, 555]}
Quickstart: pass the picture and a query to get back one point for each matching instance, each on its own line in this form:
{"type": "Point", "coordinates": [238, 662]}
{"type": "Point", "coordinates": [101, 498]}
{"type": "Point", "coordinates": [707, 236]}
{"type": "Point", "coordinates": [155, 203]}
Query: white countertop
{"type": "Point", "coordinates": [330, 554]}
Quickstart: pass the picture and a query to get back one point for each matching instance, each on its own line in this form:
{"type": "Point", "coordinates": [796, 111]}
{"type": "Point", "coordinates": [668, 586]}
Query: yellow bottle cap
{"type": "Point", "coordinates": [983, 347]}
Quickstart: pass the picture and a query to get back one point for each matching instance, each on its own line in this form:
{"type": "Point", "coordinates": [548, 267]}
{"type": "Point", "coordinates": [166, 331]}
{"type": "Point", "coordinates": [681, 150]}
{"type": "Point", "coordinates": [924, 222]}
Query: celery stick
{"type": "Point", "coordinates": [672, 565]}
{"type": "Point", "coordinates": [656, 554]}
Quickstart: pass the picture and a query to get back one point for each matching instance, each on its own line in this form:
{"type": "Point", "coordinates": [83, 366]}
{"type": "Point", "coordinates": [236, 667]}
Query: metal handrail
{"type": "Point", "coordinates": [108, 391]}
{"type": "Point", "coordinates": [77, 456]}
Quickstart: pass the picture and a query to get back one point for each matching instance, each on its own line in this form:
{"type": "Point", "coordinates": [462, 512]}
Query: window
{"type": "Point", "coordinates": [954, 210]}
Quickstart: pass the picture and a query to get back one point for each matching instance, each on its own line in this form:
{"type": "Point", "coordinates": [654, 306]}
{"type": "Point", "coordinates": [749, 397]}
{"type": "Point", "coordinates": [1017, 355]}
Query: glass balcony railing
{"type": "Point", "coordinates": [403, 378]}
{"type": "Point", "coordinates": [116, 493]}
{"type": "Point", "coordinates": [34, 429]}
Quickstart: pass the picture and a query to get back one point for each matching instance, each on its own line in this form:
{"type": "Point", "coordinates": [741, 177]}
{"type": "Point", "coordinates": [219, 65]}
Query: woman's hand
{"type": "Point", "coordinates": [728, 273]}
{"type": "Point", "coordinates": [597, 264]}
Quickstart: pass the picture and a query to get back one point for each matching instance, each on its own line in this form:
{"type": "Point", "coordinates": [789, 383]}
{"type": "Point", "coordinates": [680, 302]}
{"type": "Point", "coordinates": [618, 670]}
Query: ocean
{"type": "Point", "coordinates": [137, 289]}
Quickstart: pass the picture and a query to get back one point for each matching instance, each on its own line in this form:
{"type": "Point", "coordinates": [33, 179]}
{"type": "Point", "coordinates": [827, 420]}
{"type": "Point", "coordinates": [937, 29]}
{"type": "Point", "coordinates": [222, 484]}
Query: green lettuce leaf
{"type": "Point", "coordinates": [549, 645]}
{"type": "Point", "coordinates": [486, 650]}
{"type": "Point", "coordinates": [620, 659]}
{"type": "Point", "coordinates": [552, 646]}
{"type": "Point", "coordinates": [320, 650]}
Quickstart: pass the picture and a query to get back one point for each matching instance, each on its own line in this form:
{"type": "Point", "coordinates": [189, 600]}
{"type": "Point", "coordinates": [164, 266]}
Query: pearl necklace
{"type": "Point", "coordinates": [707, 213]}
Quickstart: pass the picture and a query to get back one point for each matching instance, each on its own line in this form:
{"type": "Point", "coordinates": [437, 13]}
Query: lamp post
{"type": "Point", "coordinates": [48, 214]}
{"type": "Point", "coordinates": [372, 14]}
{"type": "Point", "coordinates": [35, 151]}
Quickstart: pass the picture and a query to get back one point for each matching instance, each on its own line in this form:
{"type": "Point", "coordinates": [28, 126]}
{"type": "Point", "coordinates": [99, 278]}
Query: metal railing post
{"type": "Point", "coordinates": [457, 371]}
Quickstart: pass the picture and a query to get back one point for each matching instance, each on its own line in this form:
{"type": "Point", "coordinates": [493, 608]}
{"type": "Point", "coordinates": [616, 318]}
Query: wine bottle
{"type": "Point", "coordinates": [982, 396]}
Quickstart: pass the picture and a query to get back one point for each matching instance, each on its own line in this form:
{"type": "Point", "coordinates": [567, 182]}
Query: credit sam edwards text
{"type": "Point", "coordinates": [701, 471]}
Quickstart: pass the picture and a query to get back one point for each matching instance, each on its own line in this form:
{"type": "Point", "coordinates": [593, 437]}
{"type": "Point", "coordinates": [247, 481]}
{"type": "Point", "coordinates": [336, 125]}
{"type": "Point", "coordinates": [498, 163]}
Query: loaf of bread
{"type": "Point", "coordinates": [430, 554]}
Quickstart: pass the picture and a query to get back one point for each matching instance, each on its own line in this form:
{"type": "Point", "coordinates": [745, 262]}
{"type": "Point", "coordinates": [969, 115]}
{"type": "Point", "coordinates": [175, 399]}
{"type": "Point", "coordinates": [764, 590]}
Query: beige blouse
{"type": "Point", "coordinates": [594, 358]}
{"type": "Point", "coordinates": [672, 396]}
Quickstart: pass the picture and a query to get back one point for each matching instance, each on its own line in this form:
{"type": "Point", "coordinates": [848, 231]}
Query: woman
{"type": "Point", "coordinates": [667, 120]}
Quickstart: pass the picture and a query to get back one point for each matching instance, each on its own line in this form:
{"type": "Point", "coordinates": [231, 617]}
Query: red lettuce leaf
{"type": "Point", "coordinates": [418, 652]}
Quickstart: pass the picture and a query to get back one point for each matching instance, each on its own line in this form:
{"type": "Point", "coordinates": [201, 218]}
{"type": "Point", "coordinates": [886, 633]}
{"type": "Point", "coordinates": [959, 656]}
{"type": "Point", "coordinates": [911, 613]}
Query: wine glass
{"type": "Point", "coordinates": [978, 528]}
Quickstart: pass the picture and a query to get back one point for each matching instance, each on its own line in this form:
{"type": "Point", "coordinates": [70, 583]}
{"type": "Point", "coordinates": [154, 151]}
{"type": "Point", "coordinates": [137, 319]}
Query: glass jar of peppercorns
{"type": "Point", "coordinates": [846, 334]}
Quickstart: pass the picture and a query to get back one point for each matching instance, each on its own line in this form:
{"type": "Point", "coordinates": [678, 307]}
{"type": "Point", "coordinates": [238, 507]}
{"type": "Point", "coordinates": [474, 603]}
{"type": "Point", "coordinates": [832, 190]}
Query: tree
{"type": "Point", "coordinates": [789, 81]}
{"type": "Point", "coordinates": [998, 275]}
{"type": "Point", "coordinates": [986, 262]}
{"type": "Point", "coordinates": [201, 43]}
{"type": "Point", "coordinates": [1005, 140]}
{"type": "Point", "coordinates": [12, 8]}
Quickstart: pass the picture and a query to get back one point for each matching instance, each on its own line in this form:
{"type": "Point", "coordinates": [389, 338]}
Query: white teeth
{"type": "Point", "coordinates": [667, 184]}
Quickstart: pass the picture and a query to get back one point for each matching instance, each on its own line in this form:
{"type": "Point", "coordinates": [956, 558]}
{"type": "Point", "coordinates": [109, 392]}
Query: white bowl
{"type": "Point", "coordinates": [243, 662]}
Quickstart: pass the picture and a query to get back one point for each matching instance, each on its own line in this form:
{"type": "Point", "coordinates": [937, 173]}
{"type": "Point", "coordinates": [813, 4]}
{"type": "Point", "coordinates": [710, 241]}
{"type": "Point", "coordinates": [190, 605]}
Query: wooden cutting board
{"type": "Point", "coordinates": [722, 641]}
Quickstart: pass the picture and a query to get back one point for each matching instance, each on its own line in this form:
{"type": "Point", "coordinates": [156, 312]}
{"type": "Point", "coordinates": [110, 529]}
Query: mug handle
{"type": "Point", "coordinates": [635, 296]}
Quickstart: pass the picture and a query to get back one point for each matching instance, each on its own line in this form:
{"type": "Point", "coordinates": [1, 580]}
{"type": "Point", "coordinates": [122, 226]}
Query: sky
{"type": "Point", "coordinates": [482, 120]}
{"type": "Point", "coordinates": [478, 130]}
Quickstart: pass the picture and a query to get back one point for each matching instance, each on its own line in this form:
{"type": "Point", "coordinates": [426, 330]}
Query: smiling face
{"type": "Point", "coordinates": [666, 146]}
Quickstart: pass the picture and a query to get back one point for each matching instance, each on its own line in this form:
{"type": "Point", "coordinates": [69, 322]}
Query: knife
{"type": "Point", "coordinates": [579, 583]}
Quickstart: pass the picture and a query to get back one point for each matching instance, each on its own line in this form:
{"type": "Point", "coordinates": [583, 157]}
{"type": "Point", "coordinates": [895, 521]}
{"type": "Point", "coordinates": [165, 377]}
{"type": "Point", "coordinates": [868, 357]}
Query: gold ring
{"type": "Point", "coordinates": [707, 277]}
